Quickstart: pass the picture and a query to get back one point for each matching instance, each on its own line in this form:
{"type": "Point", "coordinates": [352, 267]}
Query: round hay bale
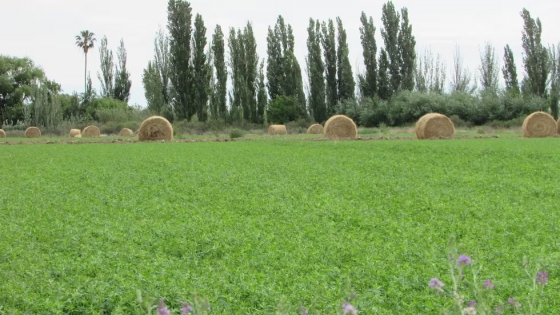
{"type": "Point", "coordinates": [32, 132]}
{"type": "Point", "coordinates": [539, 125]}
{"type": "Point", "coordinates": [75, 133]}
{"type": "Point", "coordinates": [277, 130]}
{"type": "Point", "coordinates": [2, 133]}
{"type": "Point", "coordinates": [155, 128]}
{"type": "Point", "coordinates": [91, 132]}
{"type": "Point", "coordinates": [315, 129]}
{"type": "Point", "coordinates": [125, 132]}
{"type": "Point", "coordinates": [434, 125]}
{"type": "Point", "coordinates": [340, 127]}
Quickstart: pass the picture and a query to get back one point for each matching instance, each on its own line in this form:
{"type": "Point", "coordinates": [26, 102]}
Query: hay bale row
{"type": "Point", "coordinates": [155, 128]}
{"type": "Point", "coordinates": [2, 133]}
{"type": "Point", "coordinates": [315, 129]}
{"type": "Point", "coordinates": [274, 130]}
{"type": "Point", "coordinates": [434, 126]}
{"type": "Point", "coordinates": [32, 132]}
{"type": "Point", "coordinates": [340, 127]}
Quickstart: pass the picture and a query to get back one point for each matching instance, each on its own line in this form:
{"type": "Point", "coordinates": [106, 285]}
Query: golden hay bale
{"type": "Point", "coordinates": [434, 125]}
{"type": "Point", "coordinates": [340, 127]}
{"type": "Point", "coordinates": [155, 128]}
{"type": "Point", "coordinates": [277, 130]}
{"type": "Point", "coordinates": [75, 133]}
{"type": "Point", "coordinates": [125, 132]}
{"type": "Point", "coordinates": [2, 133]}
{"type": "Point", "coordinates": [315, 129]}
{"type": "Point", "coordinates": [32, 132]}
{"type": "Point", "coordinates": [91, 132]}
{"type": "Point", "coordinates": [539, 125]}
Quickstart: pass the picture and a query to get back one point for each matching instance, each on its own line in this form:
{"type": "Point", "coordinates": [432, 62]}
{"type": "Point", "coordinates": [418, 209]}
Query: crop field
{"type": "Point", "coordinates": [257, 226]}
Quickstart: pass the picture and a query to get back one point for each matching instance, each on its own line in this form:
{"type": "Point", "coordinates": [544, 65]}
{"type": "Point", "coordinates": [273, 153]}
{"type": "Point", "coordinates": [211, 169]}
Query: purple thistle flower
{"type": "Point", "coordinates": [463, 260]}
{"type": "Point", "coordinates": [436, 284]}
{"type": "Point", "coordinates": [514, 303]}
{"type": "Point", "coordinates": [488, 285]}
{"type": "Point", "coordinates": [162, 309]}
{"type": "Point", "coordinates": [186, 308]}
{"type": "Point", "coordinates": [472, 303]}
{"type": "Point", "coordinates": [542, 278]}
{"type": "Point", "coordinates": [349, 309]}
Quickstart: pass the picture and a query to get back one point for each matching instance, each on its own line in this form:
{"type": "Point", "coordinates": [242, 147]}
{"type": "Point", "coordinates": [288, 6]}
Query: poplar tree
{"type": "Point", "coordinates": [536, 59]}
{"type": "Point", "coordinates": [329, 51]}
{"type": "Point", "coordinates": [368, 81]}
{"type": "Point", "coordinates": [315, 71]}
{"type": "Point", "coordinates": [179, 25]}
{"type": "Point", "coordinates": [219, 96]}
{"type": "Point", "coordinates": [390, 33]}
{"type": "Point", "coordinates": [510, 71]}
{"type": "Point", "coordinates": [345, 82]}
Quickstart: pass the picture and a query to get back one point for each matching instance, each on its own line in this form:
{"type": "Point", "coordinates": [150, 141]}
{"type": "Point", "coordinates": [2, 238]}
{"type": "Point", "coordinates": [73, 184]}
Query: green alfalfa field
{"type": "Point", "coordinates": [257, 226]}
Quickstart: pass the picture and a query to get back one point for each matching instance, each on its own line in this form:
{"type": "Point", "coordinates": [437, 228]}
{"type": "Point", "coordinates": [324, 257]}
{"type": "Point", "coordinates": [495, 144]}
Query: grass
{"type": "Point", "coordinates": [249, 224]}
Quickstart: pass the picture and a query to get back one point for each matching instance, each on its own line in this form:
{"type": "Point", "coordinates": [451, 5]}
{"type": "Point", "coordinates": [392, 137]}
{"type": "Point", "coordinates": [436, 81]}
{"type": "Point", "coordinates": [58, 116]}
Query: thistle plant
{"type": "Point", "coordinates": [471, 296]}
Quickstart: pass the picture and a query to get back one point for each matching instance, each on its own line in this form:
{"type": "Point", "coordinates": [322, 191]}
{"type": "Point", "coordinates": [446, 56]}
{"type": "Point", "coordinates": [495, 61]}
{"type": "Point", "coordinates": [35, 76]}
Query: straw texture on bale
{"type": "Point", "coordinates": [340, 127]}
{"type": "Point", "coordinates": [75, 133]}
{"type": "Point", "coordinates": [434, 125]}
{"type": "Point", "coordinates": [539, 125]}
{"type": "Point", "coordinates": [315, 129]}
{"type": "Point", "coordinates": [91, 132]}
{"type": "Point", "coordinates": [125, 132]}
{"type": "Point", "coordinates": [2, 133]}
{"type": "Point", "coordinates": [277, 130]}
{"type": "Point", "coordinates": [155, 128]}
{"type": "Point", "coordinates": [32, 132]}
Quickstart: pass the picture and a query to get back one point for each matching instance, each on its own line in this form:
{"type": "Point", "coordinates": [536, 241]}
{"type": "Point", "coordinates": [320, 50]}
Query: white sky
{"type": "Point", "coordinates": [45, 30]}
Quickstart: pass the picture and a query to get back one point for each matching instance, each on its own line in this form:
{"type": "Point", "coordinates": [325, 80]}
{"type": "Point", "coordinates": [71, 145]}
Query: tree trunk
{"type": "Point", "coordinates": [85, 73]}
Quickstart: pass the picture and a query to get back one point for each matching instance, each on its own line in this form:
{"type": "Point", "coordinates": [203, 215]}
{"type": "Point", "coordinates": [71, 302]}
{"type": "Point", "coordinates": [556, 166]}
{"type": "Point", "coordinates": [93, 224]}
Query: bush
{"type": "Point", "coordinates": [283, 109]}
{"type": "Point", "coordinates": [236, 133]}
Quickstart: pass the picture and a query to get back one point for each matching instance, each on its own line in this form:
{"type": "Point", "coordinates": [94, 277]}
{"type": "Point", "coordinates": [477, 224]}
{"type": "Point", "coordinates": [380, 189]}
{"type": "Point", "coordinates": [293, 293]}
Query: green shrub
{"type": "Point", "coordinates": [236, 133]}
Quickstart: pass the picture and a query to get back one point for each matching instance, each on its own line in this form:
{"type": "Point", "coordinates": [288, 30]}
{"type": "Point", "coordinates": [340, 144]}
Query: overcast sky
{"type": "Point", "coordinates": [45, 30]}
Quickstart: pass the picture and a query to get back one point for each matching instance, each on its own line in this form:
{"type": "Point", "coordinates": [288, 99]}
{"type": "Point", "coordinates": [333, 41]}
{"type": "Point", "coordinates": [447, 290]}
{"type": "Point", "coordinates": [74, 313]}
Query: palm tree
{"type": "Point", "coordinates": [85, 41]}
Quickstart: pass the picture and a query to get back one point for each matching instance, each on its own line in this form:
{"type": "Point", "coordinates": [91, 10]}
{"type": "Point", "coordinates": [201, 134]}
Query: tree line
{"type": "Point", "coordinates": [190, 74]}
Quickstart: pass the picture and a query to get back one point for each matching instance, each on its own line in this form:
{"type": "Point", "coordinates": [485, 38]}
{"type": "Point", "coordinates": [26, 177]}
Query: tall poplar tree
{"type": "Point", "coordinates": [536, 59]}
{"type": "Point", "coordinates": [329, 50]}
{"type": "Point", "coordinates": [122, 76]}
{"type": "Point", "coordinates": [283, 70]}
{"type": "Point", "coordinates": [345, 82]}
{"type": "Point", "coordinates": [368, 81]}
{"type": "Point", "coordinates": [219, 96]}
{"type": "Point", "coordinates": [179, 24]}
{"type": "Point", "coordinates": [261, 95]}
{"type": "Point", "coordinates": [489, 69]}
{"type": "Point", "coordinates": [407, 49]}
{"type": "Point", "coordinates": [251, 73]}
{"type": "Point", "coordinates": [107, 64]}
{"type": "Point", "coordinates": [383, 82]}
{"type": "Point", "coordinates": [510, 71]}
{"type": "Point", "coordinates": [390, 33]}
{"type": "Point", "coordinates": [200, 70]}
{"type": "Point", "coordinates": [315, 72]}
